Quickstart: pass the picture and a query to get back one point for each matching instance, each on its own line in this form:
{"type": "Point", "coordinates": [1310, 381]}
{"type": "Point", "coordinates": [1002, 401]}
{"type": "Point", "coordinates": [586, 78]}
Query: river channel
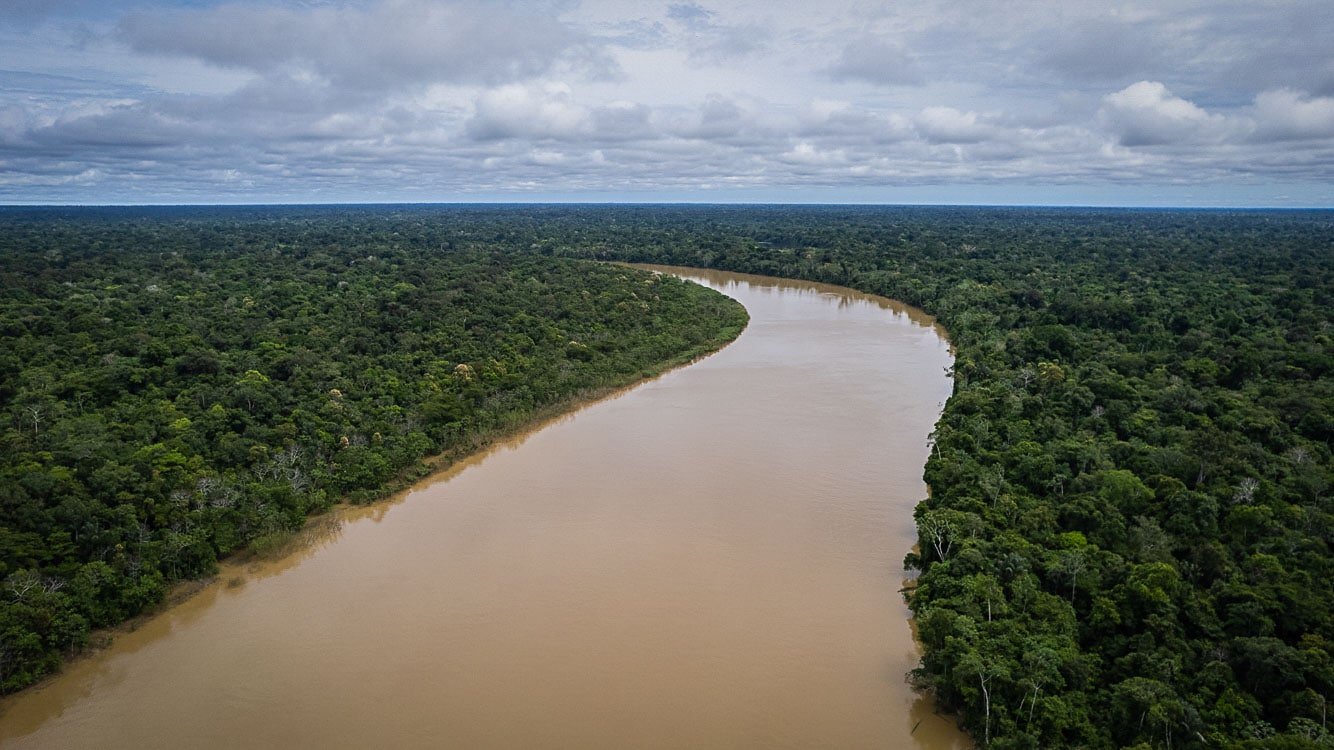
{"type": "Point", "coordinates": [712, 559]}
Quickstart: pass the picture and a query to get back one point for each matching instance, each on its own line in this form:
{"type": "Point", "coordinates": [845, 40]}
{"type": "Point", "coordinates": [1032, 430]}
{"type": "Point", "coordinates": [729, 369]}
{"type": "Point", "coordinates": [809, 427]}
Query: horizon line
{"type": "Point", "coordinates": [701, 203]}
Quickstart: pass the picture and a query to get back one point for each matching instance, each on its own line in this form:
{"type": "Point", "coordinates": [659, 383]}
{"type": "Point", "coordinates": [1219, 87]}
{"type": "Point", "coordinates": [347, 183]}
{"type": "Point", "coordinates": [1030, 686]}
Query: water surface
{"type": "Point", "coordinates": [710, 560]}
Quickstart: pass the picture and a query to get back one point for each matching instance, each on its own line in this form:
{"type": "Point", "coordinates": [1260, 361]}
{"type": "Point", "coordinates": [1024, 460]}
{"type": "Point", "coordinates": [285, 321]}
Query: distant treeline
{"type": "Point", "coordinates": [1127, 541]}
{"type": "Point", "coordinates": [175, 390]}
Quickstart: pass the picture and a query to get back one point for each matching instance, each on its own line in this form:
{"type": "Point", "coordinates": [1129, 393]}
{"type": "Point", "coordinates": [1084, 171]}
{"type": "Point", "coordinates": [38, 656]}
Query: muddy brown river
{"type": "Point", "coordinates": [712, 559]}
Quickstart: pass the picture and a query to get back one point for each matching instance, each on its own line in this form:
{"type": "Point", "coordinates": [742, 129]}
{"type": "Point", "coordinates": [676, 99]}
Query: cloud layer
{"type": "Point", "coordinates": [431, 100]}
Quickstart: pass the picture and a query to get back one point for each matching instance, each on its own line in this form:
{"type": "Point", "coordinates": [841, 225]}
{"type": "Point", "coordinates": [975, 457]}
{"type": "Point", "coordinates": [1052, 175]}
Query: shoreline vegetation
{"type": "Point", "coordinates": [179, 394]}
{"type": "Point", "coordinates": [1126, 540]}
{"type": "Point", "coordinates": [286, 544]}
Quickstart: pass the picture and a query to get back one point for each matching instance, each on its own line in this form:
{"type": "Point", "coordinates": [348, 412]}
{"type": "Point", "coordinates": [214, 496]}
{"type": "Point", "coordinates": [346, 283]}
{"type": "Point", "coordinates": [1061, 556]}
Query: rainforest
{"type": "Point", "coordinates": [1126, 539]}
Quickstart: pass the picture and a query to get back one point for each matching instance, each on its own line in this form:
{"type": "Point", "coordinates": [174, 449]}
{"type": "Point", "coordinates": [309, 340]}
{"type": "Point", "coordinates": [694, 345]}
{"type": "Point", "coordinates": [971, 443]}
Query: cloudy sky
{"type": "Point", "coordinates": [1153, 102]}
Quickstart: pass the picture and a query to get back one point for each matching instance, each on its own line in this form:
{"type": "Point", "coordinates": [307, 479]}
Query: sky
{"type": "Point", "coordinates": [1158, 102]}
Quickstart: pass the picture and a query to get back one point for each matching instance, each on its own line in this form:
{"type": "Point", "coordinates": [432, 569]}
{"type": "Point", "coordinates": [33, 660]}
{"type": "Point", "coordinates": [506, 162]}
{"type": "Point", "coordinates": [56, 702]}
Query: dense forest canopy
{"type": "Point", "coordinates": [1127, 540]}
{"type": "Point", "coordinates": [174, 392]}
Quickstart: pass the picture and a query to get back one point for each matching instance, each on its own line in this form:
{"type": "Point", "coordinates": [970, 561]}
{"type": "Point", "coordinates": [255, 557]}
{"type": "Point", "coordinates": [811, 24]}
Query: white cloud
{"type": "Point", "coordinates": [1147, 114]}
{"type": "Point", "coordinates": [877, 60]}
{"type": "Point", "coordinates": [517, 111]}
{"type": "Point", "coordinates": [718, 118]}
{"type": "Point", "coordinates": [1103, 49]}
{"type": "Point", "coordinates": [804, 153]}
{"type": "Point", "coordinates": [389, 43]}
{"type": "Point", "coordinates": [448, 98]}
{"type": "Point", "coordinates": [949, 125]}
{"type": "Point", "coordinates": [1287, 115]}
{"type": "Point", "coordinates": [624, 120]}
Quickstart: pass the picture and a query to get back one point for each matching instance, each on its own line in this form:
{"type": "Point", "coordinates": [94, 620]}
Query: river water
{"type": "Point", "coordinates": [709, 560]}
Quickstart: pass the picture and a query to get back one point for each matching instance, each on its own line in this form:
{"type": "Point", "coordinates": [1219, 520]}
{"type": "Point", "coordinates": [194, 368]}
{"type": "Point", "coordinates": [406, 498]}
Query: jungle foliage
{"type": "Point", "coordinates": [1127, 540]}
{"type": "Point", "coordinates": [174, 391]}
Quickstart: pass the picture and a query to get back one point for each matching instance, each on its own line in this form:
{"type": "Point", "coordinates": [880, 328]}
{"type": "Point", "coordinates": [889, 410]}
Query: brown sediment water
{"type": "Point", "coordinates": [710, 560]}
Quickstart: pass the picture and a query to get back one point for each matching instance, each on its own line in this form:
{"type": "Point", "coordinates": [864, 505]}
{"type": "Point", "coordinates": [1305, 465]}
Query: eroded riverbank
{"type": "Point", "coordinates": [712, 559]}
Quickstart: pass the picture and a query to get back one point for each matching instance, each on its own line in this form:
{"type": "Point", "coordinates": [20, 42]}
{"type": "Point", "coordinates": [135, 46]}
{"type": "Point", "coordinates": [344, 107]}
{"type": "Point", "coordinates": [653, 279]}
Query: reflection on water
{"type": "Point", "coordinates": [711, 559]}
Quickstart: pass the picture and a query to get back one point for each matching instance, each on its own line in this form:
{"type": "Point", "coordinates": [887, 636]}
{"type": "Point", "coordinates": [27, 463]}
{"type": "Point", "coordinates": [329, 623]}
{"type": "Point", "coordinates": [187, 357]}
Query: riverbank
{"type": "Point", "coordinates": [275, 547]}
{"type": "Point", "coordinates": [706, 560]}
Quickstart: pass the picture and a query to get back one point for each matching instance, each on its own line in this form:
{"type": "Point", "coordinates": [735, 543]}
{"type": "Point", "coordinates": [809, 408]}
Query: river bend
{"type": "Point", "coordinates": [710, 559]}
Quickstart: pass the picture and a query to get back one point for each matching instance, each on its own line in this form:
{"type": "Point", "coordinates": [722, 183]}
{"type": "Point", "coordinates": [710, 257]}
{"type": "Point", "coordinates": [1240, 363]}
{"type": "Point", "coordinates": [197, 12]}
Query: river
{"type": "Point", "coordinates": [712, 559]}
